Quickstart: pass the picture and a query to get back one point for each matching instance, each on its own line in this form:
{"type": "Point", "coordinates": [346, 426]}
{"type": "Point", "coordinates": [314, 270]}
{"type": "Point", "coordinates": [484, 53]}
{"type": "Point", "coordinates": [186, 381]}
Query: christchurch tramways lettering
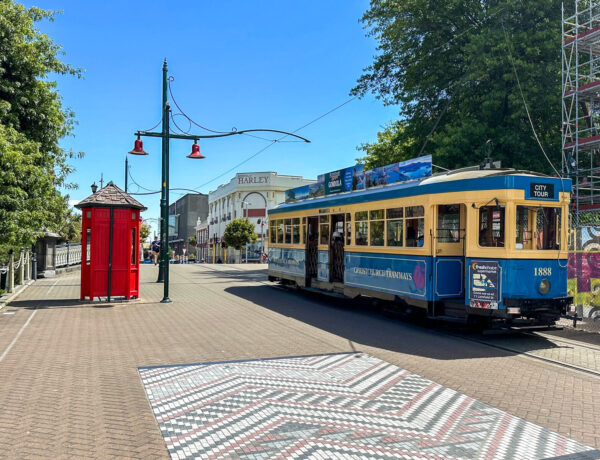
{"type": "Point", "coordinates": [391, 274]}
{"type": "Point", "coordinates": [285, 261]}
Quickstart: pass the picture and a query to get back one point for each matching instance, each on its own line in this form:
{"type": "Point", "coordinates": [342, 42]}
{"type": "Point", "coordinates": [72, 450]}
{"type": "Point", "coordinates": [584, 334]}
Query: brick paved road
{"type": "Point", "coordinates": [564, 350]}
{"type": "Point", "coordinates": [69, 385]}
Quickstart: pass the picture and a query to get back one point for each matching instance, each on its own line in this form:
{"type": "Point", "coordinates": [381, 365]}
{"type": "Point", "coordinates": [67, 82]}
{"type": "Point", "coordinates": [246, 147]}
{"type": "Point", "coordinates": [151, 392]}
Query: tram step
{"type": "Point", "coordinates": [455, 309]}
{"type": "Point", "coordinates": [323, 292]}
{"type": "Point", "coordinates": [451, 319]}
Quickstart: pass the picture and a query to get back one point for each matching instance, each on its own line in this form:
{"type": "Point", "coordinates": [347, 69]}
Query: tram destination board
{"type": "Point", "coordinates": [485, 284]}
{"type": "Point", "coordinates": [541, 191]}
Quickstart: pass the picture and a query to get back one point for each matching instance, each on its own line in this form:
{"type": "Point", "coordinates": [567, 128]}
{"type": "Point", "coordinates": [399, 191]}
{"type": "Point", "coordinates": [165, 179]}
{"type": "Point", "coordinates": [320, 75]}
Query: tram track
{"type": "Point", "coordinates": [437, 329]}
{"type": "Point", "coordinates": [528, 354]}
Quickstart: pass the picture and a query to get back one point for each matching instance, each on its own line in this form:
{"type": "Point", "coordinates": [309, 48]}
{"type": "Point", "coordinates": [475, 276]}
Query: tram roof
{"type": "Point", "coordinates": [460, 180]}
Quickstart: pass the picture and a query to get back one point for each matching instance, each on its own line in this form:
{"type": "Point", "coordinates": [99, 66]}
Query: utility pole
{"type": "Point", "coordinates": [165, 135]}
{"type": "Point", "coordinates": [126, 171]}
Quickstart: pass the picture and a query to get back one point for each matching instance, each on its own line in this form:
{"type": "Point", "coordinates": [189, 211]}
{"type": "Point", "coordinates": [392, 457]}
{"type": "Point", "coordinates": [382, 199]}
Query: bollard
{"type": "Point", "coordinates": [27, 266]}
{"type": "Point", "coordinates": [10, 284]}
{"type": "Point", "coordinates": [34, 266]}
{"type": "Point", "coordinates": [22, 267]}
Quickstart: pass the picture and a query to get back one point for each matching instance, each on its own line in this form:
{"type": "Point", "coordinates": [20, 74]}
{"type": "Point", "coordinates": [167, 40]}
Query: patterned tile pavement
{"type": "Point", "coordinates": [344, 405]}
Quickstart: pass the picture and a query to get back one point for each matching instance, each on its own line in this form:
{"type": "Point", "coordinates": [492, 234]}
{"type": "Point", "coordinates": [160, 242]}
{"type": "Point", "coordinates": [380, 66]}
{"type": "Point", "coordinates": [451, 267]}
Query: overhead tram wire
{"type": "Point", "coordinates": [512, 61]}
{"type": "Point", "coordinates": [510, 56]}
{"type": "Point", "coordinates": [189, 119]}
{"type": "Point", "coordinates": [254, 155]}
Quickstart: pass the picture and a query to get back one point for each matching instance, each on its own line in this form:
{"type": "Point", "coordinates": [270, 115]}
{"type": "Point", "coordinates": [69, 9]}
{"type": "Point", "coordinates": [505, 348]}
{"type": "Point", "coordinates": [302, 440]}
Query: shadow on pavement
{"type": "Point", "coordinates": [57, 303]}
{"type": "Point", "coordinates": [356, 321]}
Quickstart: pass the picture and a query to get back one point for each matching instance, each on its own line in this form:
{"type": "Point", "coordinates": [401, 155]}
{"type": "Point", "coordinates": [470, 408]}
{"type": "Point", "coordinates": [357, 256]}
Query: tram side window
{"type": "Point", "coordinates": [324, 230]}
{"type": "Point", "coordinates": [348, 229]}
{"type": "Point", "coordinates": [296, 230]}
{"type": "Point", "coordinates": [415, 226]}
{"type": "Point", "coordinates": [548, 228]}
{"type": "Point", "coordinates": [449, 223]}
{"type": "Point", "coordinates": [395, 226]}
{"type": "Point", "coordinates": [491, 226]}
{"type": "Point", "coordinates": [376, 227]}
{"type": "Point", "coordinates": [361, 227]}
{"type": "Point", "coordinates": [288, 231]}
{"type": "Point", "coordinates": [280, 231]}
{"type": "Point", "coordinates": [273, 231]}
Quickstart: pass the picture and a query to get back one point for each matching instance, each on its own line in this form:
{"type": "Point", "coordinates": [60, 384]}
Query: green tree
{"type": "Point", "coordinates": [32, 122]}
{"type": "Point", "coordinates": [28, 198]}
{"type": "Point", "coordinates": [144, 232]}
{"type": "Point", "coordinates": [238, 233]}
{"type": "Point", "coordinates": [71, 228]}
{"type": "Point", "coordinates": [392, 146]}
{"type": "Point", "coordinates": [448, 62]}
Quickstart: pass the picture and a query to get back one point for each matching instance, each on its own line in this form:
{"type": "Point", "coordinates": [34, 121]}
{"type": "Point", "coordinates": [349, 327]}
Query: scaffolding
{"type": "Point", "coordinates": [581, 103]}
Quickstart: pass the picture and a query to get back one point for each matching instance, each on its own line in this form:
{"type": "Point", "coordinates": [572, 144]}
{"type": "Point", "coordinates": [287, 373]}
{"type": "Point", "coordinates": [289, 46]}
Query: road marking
{"type": "Point", "coordinates": [11, 344]}
{"type": "Point", "coordinates": [3, 355]}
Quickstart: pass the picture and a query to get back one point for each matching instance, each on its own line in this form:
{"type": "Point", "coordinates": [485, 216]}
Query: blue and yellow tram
{"type": "Point", "coordinates": [471, 244]}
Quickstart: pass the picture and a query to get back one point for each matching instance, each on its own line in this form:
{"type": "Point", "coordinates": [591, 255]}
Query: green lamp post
{"type": "Point", "coordinates": [166, 135]}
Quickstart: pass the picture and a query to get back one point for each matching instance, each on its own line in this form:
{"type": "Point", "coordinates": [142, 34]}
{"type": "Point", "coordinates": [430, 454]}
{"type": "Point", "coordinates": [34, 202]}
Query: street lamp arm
{"type": "Point", "coordinates": [195, 137]}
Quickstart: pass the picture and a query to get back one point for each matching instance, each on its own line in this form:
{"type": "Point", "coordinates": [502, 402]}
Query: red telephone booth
{"type": "Point", "coordinates": [110, 239]}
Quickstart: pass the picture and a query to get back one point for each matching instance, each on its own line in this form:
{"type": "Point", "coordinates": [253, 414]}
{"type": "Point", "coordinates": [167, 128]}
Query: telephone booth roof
{"type": "Point", "coordinates": [110, 196]}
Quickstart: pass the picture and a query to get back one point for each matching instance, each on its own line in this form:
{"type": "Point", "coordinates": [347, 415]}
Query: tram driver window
{"type": "Point", "coordinates": [415, 226]}
{"type": "Point", "coordinates": [525, 222]}
{"type": "Point", "coordinates": [491, 226]}
{"type": "Point", "coordinates": [273, 231]}
{"type": "Point", "coordinates": [548, 228]}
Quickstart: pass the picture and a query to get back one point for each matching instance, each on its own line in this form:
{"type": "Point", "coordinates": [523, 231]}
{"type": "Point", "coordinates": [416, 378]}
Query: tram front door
{"type": "Point", "coordinates": [336, 249]}
{"type": "Point", "coordinates": [312, 249]}
{"type": "Point", "coordinates": [449, 255]}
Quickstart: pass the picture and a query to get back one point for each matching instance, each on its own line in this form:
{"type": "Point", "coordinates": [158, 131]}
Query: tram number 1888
{"type": "Point", "coordinates": [542, 271]}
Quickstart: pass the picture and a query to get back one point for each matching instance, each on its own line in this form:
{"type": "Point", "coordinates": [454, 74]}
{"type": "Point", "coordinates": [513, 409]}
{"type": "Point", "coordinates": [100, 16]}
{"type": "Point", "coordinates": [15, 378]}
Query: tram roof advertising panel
{"type": "Point", "coordinates": [355, 178]}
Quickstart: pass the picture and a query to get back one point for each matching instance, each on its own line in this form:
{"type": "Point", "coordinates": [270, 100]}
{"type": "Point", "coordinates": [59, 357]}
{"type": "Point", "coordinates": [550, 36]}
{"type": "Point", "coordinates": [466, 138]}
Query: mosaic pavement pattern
{"type": "Point", "coordinates": [339, 406]}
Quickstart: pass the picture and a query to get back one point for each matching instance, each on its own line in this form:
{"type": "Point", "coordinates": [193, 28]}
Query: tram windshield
{"type": "Point", "coordinates": [538, 228]}
{"type": "Point", "coordinates": [491, 226]}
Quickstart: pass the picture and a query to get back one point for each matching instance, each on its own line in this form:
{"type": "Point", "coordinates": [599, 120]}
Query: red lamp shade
{"type": "Point", "coordinates": [138, 148]}
{"type": "Point", "coordinates": [196, 152]}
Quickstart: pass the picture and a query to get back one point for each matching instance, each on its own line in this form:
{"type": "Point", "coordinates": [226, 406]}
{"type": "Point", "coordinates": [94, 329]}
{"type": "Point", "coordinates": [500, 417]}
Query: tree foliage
{"type": "Point", "coordinates": [32, 122]}
{"type": "Point", "coordinates": [238, 233]}
{"type": "Point", "coordinates": [71, 226]}
{"type": "Point", "coordinates": [448, 62]}
{"type": "Point", "coordinates": [28, 199]}
{"type": "Point", "coordinates": [144, 232]}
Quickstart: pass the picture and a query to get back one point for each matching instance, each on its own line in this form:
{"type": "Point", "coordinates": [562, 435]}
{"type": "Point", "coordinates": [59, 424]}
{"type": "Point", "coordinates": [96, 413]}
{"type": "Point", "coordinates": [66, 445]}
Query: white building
{"type": "Point", "coordinates": [247, 195]}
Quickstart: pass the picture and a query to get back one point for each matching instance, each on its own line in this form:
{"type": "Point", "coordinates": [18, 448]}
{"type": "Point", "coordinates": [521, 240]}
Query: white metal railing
{"type": "Point", "coordinates": [67, 254]}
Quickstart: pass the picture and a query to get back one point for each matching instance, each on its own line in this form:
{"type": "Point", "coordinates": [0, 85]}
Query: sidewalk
{"type": "Point", "coordinates": [70, 384]}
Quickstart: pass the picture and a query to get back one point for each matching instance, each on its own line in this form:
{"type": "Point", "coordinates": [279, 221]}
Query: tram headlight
{"type": "Point", "coordinates": [544, 287]}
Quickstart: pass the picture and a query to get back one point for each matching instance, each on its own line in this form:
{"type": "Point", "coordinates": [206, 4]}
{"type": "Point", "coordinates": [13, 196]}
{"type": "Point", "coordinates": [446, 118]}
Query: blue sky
{"type": "Point", "coordinates": [262, 64]}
